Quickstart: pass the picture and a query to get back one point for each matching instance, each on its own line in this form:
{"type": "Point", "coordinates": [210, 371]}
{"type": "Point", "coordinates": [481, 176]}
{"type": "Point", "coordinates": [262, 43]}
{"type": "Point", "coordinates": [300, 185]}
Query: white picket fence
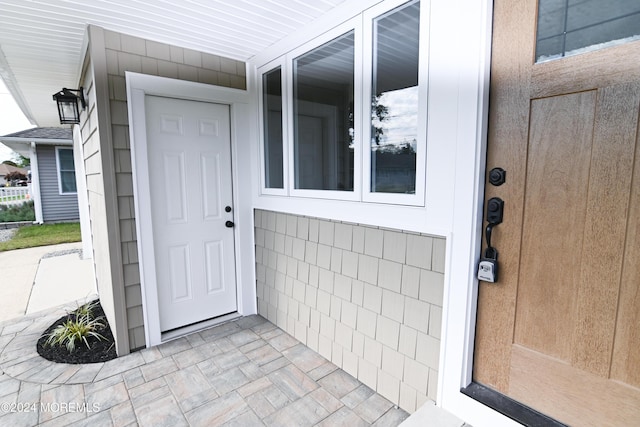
{"type": "Point", "coordinates": [14, 195]}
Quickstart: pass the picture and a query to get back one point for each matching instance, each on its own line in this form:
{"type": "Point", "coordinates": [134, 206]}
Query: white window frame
{"type": "Point", "coordinates": [271, 66]}
{"type": "Point", "coordinates": [368, 17]}
{"type": "Point", "coordinates": [59, 172]}
{"type": "Point", "coordinates": [354, 25]}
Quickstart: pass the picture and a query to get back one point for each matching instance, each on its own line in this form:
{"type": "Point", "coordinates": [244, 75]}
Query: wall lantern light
{"type": "Point", "coordinates": [68, 105]}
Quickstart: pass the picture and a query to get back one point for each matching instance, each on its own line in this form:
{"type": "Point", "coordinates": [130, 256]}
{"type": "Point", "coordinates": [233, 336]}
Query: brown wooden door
{"type": "Point", "coordinates": [560, 331]}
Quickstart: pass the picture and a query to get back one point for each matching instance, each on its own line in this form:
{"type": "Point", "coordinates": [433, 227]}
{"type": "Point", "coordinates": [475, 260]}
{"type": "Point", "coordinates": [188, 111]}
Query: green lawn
{"type": "Point", "coordinates": [42, 235]}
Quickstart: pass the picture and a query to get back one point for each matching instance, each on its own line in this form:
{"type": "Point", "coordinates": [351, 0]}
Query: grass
{"type": "Point", "coordinates": [43, 235]}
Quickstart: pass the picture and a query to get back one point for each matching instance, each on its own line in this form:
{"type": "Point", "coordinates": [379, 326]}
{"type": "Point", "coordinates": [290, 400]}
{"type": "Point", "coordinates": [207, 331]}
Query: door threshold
{"type": "Point", "coordinates": [509, 407]}
{"type": "Point", "coordinates": [195, 327]}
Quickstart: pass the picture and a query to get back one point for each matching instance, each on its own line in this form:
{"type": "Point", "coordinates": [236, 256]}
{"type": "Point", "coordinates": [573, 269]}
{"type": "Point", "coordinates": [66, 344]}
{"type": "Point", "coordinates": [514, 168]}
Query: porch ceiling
{"type": "Point", "coordinates": [41, 40]}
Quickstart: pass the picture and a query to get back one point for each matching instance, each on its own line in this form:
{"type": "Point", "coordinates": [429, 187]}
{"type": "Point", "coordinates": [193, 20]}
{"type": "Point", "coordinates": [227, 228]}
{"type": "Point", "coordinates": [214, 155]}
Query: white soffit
{"type": "Point", "coordinates": [41, 40]}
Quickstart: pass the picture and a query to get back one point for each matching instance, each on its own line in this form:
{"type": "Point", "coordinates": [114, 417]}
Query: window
{"type": "Point", "coordinates": [66, 171]}
{"type": "Point", "coordinates": [348, 110]}
{"type": "Point", "coordinates": [272, 127]}
{"type": "Point", "coordinates": [570, 27]}
{"type": "Point", "coordinates": [322, 105]}
{"type": "Point", "coordinates": [394, 100]}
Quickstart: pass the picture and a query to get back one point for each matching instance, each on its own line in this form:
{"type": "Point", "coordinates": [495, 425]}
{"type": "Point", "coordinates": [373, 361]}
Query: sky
{"type": "Point", "coordinates": [11, 120]}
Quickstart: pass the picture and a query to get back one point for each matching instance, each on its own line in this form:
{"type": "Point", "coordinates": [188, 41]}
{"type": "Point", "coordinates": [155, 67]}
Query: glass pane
{"type": "Point", "coordinates": [570, 27]}
{"type": "Point", "coordinates": [272, 118]}
{"type": "Point", "coordinates": [394, 107]}
{"type": "Point", "coordinates": [323, 116]}
{"type": "Point", "coordinates": [68, 182]}
{"type": "Point", "coordinates": [65, 157]}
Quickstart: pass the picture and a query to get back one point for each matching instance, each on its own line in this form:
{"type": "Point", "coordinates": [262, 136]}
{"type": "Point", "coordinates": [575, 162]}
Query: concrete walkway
{"type": "Point", "coordinates": [29, 282]}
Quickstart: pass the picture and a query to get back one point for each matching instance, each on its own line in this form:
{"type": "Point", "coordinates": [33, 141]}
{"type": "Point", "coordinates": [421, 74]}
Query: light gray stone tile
{"type": "Point", "coordinates": [162, 412]}
{"type": "Point", "coordinates": [303, 411]}
{"type": "Point", "coordinates": [158, 368]}
{"type": "Point", "coordinates": [187, 382]}
{"type": "Point", "coordinates": [218, 411]}
{"type": "Point", "coordinates": [120, 365]}
{"type": "Point", "coordinates": [109, 397]}
{"type": "Point", "coordinates": [8, 385]}
{"type": "Point", "coordinates": [194, 356]}
{"type": "Point", "coordinates": [304, 358]}
{"type": "Point", "coordinates": [373, 408]}
{"type": "Point", "coordinates": [339, 383]}
{"type": "Point", "coordinates": [229, 380]}
{"type": "Point", "coordinates": [198, 399]}
{"type": "Point", "coordinates": [123, 414]}
{"type": "Point", "coordinates": [85, 374]}
{"type": "Point", "coordinates": [343, 417]}
{"type": "Point", "coordinates": [322, 371]}
{"type": "Point", "coordinates": [254, 387]}
{"type": "Point", "coordinates": [248, 418]}
{"type": "Point", "coordinates": [243, 337]}
{"type": "Point", "coordinates": [392, 417]}
{"type": "Point", "coordinates": [292, 382]}
{"type": "Point", "coordinates": [265, 402]}
{"type": "Point", "coordinates": [52, 399]}
{"type": "Point", "coordinates": [174, 346]}
{"type": "Point", "coordinates": [357, 396]}
{"type": "Point", "coordinates": [230, 359]}
{"type": "Point", "coordinates": [133, 378]}
{"type": "Point", "coordinates": [263, 354]}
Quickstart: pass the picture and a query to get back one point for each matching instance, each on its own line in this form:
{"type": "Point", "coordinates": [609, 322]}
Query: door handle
{"type": "Point", "coordinates": [229, 224]}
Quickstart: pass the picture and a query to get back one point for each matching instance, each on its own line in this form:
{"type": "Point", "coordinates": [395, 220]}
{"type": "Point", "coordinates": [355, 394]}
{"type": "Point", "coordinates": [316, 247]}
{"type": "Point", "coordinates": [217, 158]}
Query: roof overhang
{"type": "Point", "coordinates": [41, 42]}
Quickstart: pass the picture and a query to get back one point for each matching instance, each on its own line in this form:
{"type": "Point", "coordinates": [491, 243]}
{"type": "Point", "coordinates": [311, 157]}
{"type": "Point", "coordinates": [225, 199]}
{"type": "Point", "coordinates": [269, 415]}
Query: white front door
{"type": "Point", "coordinates": [189, 158]}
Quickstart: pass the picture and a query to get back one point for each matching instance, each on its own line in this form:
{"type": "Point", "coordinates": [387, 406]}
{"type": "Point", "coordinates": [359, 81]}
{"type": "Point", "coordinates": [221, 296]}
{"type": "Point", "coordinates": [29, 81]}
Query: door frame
{"type": "Point", "coordinates": [472, 62]}
{"type": "Point", "coordinates": [138, 87]}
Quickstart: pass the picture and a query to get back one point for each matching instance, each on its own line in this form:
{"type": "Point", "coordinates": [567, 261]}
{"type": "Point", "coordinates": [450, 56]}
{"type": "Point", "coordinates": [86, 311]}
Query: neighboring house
{"type": "Point", "coordinates": [53, 177]}
{"type": "Point", "coordinates": [7, 169]}
{"type": "Point", "coordinates": [326, 168]}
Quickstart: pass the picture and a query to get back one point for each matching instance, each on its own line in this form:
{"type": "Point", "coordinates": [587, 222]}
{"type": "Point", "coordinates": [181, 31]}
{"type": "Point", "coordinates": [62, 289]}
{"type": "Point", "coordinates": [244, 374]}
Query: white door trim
{"type": "Point", "coordinates": [470, 64]}
{"type": "Point", "coordinates": [138, 86]}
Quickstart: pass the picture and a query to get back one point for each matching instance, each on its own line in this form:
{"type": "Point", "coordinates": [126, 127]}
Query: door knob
{"type": "Point", "coordinates": [229, 224]}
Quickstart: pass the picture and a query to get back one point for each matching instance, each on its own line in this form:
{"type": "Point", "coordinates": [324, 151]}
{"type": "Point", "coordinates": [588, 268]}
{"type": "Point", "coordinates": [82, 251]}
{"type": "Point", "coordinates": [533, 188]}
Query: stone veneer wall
{"type": "Point", "coordinates": [366, 298]}
{"type": "Point", "coordinates": [128, 53]}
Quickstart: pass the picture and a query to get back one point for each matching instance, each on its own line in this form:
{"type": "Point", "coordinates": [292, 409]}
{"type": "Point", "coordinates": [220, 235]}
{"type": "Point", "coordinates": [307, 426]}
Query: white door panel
{"type": "Point", "coordinates": [189, 155]}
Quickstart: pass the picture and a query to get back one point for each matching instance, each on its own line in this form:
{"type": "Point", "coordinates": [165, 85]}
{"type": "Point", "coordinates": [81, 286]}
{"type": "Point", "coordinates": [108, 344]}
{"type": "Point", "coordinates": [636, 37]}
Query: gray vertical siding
{"type": "Point", "coordinates": [55, 206]}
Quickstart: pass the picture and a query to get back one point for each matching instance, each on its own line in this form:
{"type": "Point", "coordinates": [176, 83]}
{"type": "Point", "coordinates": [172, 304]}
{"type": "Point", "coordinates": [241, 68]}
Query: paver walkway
{"type": "Point", "coordinates": [246, 372]}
